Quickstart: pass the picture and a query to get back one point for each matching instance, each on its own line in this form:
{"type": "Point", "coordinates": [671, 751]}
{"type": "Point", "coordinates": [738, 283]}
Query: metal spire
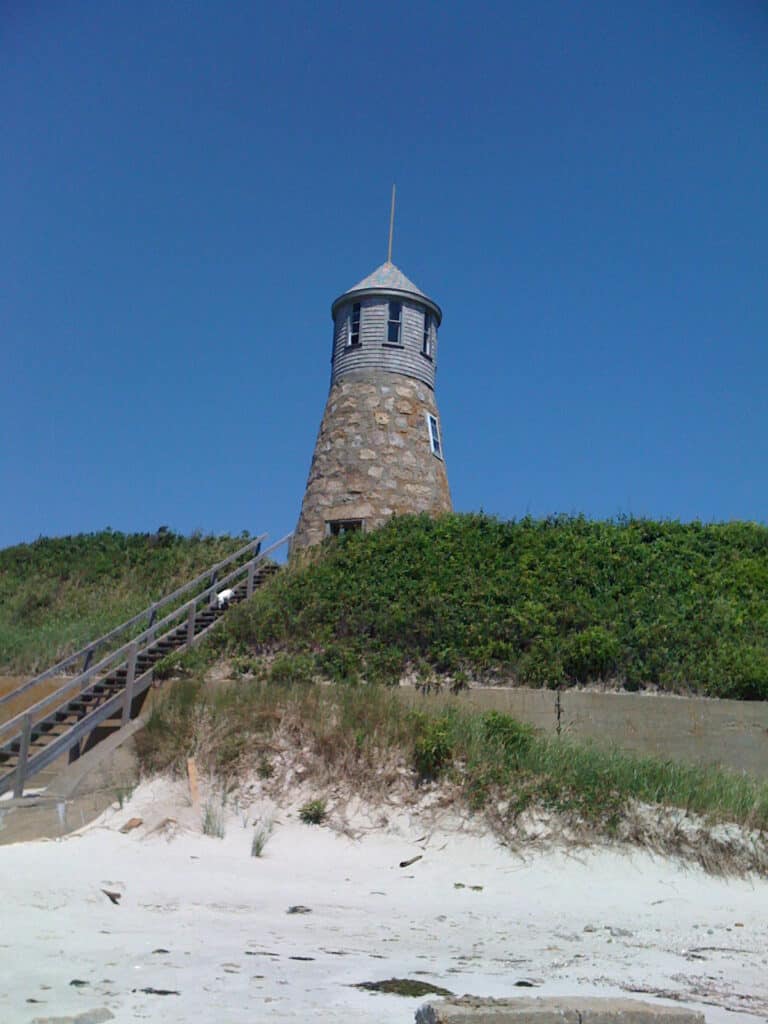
{"type": "Point", "coordinates": [391, 226]}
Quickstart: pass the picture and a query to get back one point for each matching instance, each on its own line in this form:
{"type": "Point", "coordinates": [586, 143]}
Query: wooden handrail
{"type": "Point", "coordinates": [151, 611]}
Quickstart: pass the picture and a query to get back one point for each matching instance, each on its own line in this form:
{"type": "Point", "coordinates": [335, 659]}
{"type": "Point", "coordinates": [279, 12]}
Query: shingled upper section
{"type": "Point", "coordinates": [386, 280]}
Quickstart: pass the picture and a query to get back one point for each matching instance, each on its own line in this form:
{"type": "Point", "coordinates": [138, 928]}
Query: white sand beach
{"type": "Point", "coordinates": [201, 919]}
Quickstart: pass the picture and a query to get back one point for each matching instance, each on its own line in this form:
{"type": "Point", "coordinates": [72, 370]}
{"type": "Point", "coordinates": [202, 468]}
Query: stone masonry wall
{"type": "Point", "coordinates": [373, 457]}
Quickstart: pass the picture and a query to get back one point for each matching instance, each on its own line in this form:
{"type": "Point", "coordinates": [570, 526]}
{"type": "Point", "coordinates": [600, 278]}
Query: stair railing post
{"type": "Point", "coordinates": [151, 621]}
{"type": "Point", "coordinates": [212, 601]}
{"type": "Point", "coordinates": [129, 679]}
{"type": "Point", "coordinates": [190, 625]}
{"type": "Point", "coordinates": [21, 766]}
{"type": "Point", "coordinates": [87, 659]}
{"type": "Point", "coordinates": [251, 577]}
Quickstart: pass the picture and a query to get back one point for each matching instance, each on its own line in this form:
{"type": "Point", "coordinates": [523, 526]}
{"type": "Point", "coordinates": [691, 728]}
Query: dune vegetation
{"type": "Point", "coordinates": [367, 741]}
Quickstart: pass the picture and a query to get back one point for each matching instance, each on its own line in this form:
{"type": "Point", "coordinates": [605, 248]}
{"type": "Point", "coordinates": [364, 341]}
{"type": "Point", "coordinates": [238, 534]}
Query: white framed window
{"type": "Point", "coordinates": [353, 326]}
{"type": "Point", "coordinates": [394, 323]}
{"type": "Point", "coordinates": [426, 345]}
{"type": "Point", "coordinates": [434, 435]}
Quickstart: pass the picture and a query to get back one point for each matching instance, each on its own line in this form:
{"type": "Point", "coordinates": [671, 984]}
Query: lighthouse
{"type": "Point", "coordinates": [380, 450]}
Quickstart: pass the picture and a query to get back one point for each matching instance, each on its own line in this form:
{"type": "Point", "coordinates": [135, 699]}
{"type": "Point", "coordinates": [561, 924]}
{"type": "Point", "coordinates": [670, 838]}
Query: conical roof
{"type": "Point", "coordinates": [385, 280]}
{"type": "Point", "coordinates": [390, 277]}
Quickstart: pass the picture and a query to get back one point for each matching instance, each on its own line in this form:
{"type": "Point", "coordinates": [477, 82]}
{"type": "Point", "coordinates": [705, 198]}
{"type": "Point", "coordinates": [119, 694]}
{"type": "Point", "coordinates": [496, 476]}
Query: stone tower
{"type": "Point", "coordinates": [379, 451]}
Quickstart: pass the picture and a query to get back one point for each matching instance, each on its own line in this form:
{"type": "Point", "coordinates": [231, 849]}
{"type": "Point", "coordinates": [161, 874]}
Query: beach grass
{"type": "Point", "coordinates": [369, 739]}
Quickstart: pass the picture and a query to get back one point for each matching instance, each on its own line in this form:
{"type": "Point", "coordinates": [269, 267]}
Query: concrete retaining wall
{"type": "Point", "coordinates": [729, 733]}
{"type": "Point", "coordinates": [79, 792]}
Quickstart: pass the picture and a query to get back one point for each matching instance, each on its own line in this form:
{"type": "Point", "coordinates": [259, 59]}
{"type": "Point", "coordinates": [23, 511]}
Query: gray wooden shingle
{"type": "Point", "coordinates": [387, 280]}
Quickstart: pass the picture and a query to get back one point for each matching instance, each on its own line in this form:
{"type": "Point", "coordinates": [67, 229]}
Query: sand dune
{"type": "Point", "coordinates": [199, 918]}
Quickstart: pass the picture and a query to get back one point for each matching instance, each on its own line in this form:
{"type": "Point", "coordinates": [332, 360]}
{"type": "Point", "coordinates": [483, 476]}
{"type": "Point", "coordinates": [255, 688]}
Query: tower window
{"type": "Point", "coordinates": [394, 323]}
{"type": "Point", "coordinates": [426, 345]}
{"type": "Point", "coordinates": [353, 326]}
{"type": "Point", "coordinates": [434, 435]}
{"type": "Point", "coordinates": [338, 527]}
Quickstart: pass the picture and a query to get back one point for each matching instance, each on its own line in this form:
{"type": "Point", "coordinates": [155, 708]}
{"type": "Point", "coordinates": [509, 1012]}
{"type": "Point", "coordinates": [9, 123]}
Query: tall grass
{"type": "Point", "coordinates": [262, 832]}
{"type": "Point", "coordinates": [212, 821]}
{"type": "Point", "coordinates": [58, 594]}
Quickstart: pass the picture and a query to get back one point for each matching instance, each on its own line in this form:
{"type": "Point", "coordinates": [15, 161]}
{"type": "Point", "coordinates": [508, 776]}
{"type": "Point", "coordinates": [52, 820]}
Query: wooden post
{"type": "Point", "coordinates": [194, 789]}
{"type": "Point", "coordinates": [87, 659]}
{"type": "Point", "coordinates": [190, 625]}
{"type": "Point", "coordinates": [251, 575]}
{"type": "Point", "coordinates": [21, 767]}
{"type": "Point", "coordinates": [212, 600]}
{"type": "Point", "coordinates": [129, 678]}
{"type": "Point", "coordinates": [151, 622]}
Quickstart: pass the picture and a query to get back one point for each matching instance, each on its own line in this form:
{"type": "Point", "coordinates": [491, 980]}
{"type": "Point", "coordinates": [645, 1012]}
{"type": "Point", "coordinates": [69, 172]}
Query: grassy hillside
{"type": "Point", "coordinates": [551, 602]}
{"type": "Point", "coordinates": [57, 594]}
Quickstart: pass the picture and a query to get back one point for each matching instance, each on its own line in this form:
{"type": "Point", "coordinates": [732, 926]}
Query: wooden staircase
{"type": "Point", "coordinates": [106, 695]}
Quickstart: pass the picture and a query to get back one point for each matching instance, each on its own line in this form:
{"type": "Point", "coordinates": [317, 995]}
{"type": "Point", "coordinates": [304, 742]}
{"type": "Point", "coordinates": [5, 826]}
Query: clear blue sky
{"type": "Point", "coordinates": [185, 188]}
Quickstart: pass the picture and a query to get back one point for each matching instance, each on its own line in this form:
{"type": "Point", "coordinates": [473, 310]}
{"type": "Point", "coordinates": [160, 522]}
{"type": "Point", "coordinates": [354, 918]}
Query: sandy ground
{"type": "Point", "coordinates": [200, 918]}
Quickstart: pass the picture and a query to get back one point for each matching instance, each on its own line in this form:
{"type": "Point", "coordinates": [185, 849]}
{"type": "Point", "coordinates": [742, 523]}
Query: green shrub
{"type": "Point", "coordinates": [313, 812]}
{"type": "Point", "coordinates": [739, 672]}
{"type": "Point", "coordinates": [186, 664]}
{"type": "Point", "coordinates": [510, 737]}
{"type": "Point", "coordinates": [433, 747]}
{"type": "Point", "coordinates": [541, 665]}
{"type": "Point", "coordinates": [244, 664]}
{"type": "Point", "coordinates": [384, 667]}
{"type": "Point", "coordinates": [168, 667]}
{"type": "Point", "coordinates": [590, 655]}
{"type": "Point", "coordinates": [339, 663]}
{"type": "Point", "coordinates": [292, 670]}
